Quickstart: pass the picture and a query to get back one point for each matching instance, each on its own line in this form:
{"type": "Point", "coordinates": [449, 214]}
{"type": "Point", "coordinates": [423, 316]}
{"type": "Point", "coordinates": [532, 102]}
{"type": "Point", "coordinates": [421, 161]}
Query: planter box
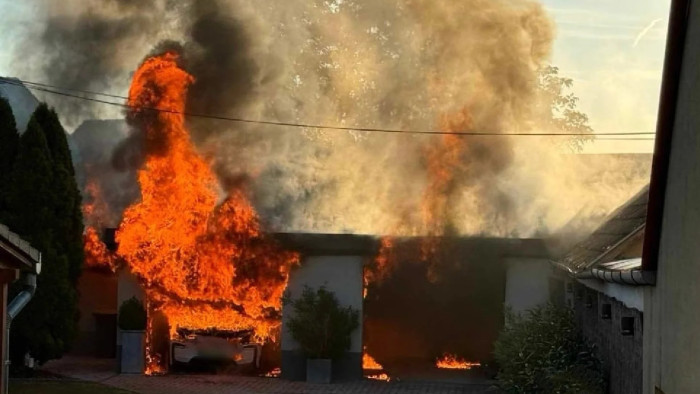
{"type": "Point", "coordinates": [132, 354]}
{"type": "Point", "coordinates": [318, 370]}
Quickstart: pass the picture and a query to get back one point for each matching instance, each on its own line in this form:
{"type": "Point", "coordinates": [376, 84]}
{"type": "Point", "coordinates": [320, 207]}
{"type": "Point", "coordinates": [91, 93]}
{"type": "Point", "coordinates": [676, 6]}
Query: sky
{"type": "Point", "coordinates": [616, 69]}
{"type": "Point", "coordinates": [613, 50]}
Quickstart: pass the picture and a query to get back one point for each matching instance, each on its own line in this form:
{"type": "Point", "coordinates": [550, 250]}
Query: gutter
{"type": "Point", "coordinates": [13, 309]}
{"type": "Point", "coordinates": [630, 278]}
{"type": "Point", "coordinates": [670, 85]}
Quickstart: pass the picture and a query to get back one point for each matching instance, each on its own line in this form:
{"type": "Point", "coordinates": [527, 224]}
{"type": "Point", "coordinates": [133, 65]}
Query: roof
{"type": "Point", "coordinates": [623, 224]}
{"type": "Point", "coordinates": [19, 252]}
{"type": "Point", "coordinates": [22, 101]}
{"type": "Point", "coordinates": [329, 244]}
{"type": "Point", "coordinates": [368, 245]}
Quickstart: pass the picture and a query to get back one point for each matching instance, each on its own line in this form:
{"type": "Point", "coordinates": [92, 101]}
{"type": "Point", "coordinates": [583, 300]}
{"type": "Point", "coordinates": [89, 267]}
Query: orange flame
{"type": "Point", "coordinates": [368, 362]}
{"type": "Point", "coordinates": [96, 253]}
{"type": "Point", "coordinates": [443, 161]}
{"type": "Point", "coordinates": [450, 361]}
{"type": "Point", "coordinates": [202, 263]}
{"type": "Point", "coordinates": [380, 376]}
{"type": "Point", "coordinates": [382, 265]}
{"type": "Point", "coordinates": [95, 210]}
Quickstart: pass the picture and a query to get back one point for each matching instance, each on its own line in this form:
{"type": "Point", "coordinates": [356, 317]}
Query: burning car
{"type": "Point", "coordinates": [214, 347]}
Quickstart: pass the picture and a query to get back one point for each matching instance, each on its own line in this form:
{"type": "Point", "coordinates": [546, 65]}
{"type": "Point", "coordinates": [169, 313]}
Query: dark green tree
{"type": "Point", "coordinates": [47, 325]}
{"type": "Point", "coordinates": [9, 141]}
{"type": "Point", "coordinates": [67, 202]}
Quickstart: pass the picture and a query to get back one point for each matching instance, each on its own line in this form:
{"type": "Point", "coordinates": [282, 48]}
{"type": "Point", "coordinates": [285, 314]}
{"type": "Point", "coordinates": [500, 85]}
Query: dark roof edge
{"type": "Point", "coordinates": [18, 248]}
{"type": "Point", "coordinates": [668, 100]}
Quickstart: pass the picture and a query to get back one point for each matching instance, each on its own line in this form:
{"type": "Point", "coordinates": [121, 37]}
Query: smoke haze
{"type": "Point", "coordinates": [420, 64]}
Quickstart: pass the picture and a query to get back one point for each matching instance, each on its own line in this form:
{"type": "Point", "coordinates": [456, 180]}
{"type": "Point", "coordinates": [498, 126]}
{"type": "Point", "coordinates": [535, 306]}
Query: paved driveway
{"type": "Point", "coordinates": [102, 371]}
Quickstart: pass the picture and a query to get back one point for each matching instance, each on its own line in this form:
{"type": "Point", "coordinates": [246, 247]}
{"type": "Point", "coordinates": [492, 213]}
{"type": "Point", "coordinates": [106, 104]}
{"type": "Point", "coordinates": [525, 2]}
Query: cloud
{"type": "Point", "coordinates": [645, 31]}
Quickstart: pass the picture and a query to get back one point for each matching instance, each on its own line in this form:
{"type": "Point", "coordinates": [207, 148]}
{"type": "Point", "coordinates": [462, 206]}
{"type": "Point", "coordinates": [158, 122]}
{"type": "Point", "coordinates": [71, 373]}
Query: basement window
{"type": "Point", "coordinates": [606, 311]}
{"type": "Point", "coordinates": [627, 325]}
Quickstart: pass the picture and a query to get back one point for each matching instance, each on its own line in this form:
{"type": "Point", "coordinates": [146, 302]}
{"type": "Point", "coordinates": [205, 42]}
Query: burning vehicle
{"type": "Point", "coordinates": [194, 347]}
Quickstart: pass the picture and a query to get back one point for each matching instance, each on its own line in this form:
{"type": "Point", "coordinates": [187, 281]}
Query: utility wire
{"type": "Point", "coordinates": [62, 91]}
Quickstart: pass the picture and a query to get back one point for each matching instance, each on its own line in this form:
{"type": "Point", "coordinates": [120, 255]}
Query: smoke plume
{"type": "Point", "coordinates": [421, 64]}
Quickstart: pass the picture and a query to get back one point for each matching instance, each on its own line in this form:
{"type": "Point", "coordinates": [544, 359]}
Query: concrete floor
{"type": "Point", "coordinates": [102, 370]}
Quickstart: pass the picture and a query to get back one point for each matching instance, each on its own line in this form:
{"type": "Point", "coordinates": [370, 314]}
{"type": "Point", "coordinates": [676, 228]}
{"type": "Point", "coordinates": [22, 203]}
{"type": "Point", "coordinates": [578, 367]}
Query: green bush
{"type": "Point", "coordinates": [132, 315]}
{"type": "Point", "coordinates": [320, 325]}
{"type": "Point", "coordinates": [541, 351]}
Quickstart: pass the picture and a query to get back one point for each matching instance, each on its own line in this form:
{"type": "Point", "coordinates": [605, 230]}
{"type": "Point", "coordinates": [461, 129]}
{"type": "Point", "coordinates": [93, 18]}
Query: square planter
{"type": "Point", "coordinates": [318, 370]}
{"type": "Point", "coordinates": [132, 354]}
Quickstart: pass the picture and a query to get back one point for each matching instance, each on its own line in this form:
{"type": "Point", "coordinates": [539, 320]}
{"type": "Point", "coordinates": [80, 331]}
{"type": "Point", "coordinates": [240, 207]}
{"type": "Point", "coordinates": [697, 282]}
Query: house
{"type": "Point", "coordinates": [665, 315]}
{"type": "Point", "coordinates": [671, 245]}
{"type": "Point", "coordinates": [605, 288]}
{"type": "Point", "coordinates": [16, 255]}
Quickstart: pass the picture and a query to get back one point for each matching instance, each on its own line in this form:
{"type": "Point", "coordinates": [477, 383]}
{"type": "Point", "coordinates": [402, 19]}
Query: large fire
{"type": "Point", "coordinates": [198, 251]}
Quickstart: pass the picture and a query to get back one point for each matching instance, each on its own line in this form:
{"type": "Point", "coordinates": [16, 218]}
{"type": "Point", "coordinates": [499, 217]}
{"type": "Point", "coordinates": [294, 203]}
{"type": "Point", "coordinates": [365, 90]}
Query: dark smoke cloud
{"type": "Point", "coordinates": [218, 55]}
{"type": "Point", "coordinates": [86, 51]}
{"type": "Point", "coordinates": [391, 63]}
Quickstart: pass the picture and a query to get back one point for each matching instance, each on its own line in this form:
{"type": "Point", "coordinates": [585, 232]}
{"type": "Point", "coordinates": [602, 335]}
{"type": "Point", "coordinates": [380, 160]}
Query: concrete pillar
{"type": "Point", "coordinates": [343, 276]}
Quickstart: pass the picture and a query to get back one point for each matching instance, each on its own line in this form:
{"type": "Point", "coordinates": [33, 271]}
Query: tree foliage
{"type": "Point", "coordinates": [541, 351]}
{"type": "Point", "coordinates": [558, 108]}
{"type": "Point", "coordinates": [132, 315]}
{"type": "Point", "coordinates": [67, 201]}
{"type": "Point", "coordinates": [320, 325]}
{"type": "Point", "coordinates": [9, 143]}
{"type": "Point", "coordinates": [39, 192]}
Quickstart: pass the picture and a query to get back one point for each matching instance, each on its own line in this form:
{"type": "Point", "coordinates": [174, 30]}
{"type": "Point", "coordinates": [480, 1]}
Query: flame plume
{"type": "Point", "coordinates": [202, 263]}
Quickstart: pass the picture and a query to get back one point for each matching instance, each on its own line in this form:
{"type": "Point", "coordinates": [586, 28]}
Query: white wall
{"type": "Point", "coordinates": [341, 275]}
{"type": "Point", "coordinates": [629, 296]}
{"type": "Point", "coordinates": [527, 283]}
{"type": "Point", "coordinates": [127, 287]}
{"type": "Point", "coordinates": [672, 315]}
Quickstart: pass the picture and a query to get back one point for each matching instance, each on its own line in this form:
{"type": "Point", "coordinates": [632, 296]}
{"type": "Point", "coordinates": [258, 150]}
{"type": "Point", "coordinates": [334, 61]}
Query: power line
{"type": "Point", "coordinates": [625, 139]}
{"type": "Point", "coordinates": [52, 89]}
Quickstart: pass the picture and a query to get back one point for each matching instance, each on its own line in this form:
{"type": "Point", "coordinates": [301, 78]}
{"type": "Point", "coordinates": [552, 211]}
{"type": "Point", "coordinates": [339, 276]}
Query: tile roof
{"type": "Point", "coordinates": [11, 239]}
{"type": "Point", "coordinates": [624, 222]}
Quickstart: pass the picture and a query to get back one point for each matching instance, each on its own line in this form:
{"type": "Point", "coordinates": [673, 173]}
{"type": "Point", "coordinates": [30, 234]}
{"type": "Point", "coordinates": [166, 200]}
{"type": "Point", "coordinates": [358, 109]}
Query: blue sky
{"type": "Point", "coordinates": [617, 81]}
{"type": "Point", "coordinates": [616, 69]}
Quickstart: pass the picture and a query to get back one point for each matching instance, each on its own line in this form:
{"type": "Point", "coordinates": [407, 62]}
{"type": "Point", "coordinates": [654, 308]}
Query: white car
{"type": "Point", "coordinates": [214, 346]}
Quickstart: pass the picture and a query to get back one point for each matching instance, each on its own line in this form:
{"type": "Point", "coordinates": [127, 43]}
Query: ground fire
{"type": "Point", "coordinates": [198, 251]}
{"type": "Point", "coordinates": [450, 361]}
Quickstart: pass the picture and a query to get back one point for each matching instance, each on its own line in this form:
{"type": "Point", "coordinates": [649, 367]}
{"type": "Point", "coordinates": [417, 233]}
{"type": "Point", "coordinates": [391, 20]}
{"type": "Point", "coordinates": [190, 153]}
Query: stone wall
{"type": "Point", "coordinates": [621, 354]}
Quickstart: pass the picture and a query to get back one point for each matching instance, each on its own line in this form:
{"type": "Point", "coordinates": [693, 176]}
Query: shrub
{"type": "Point", "coordinates": [320, 325]}
{"type": "Point", "coordinates": [132, 315]}
{"type": "Point", "coordinates": [541, 351]}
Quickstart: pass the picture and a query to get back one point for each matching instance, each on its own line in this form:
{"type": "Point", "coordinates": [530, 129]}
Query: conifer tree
{"type": "Point", "coordinates": [67, 204]}
{"type": "Point", "coordinates": [9, 141]}
{"type": "Point", "coordinates": [46, 327]}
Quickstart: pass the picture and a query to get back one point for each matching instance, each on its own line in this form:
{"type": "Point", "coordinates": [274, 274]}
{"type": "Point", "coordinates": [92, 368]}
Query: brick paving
{"type": "Point", "coordinates": [103, 371]}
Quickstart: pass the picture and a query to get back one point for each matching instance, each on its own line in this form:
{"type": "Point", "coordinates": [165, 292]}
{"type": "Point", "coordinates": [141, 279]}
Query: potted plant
{"type": "Point", "coordinates": [322, 328]}
{"type": "Point", "coordinates": [132, 325]}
